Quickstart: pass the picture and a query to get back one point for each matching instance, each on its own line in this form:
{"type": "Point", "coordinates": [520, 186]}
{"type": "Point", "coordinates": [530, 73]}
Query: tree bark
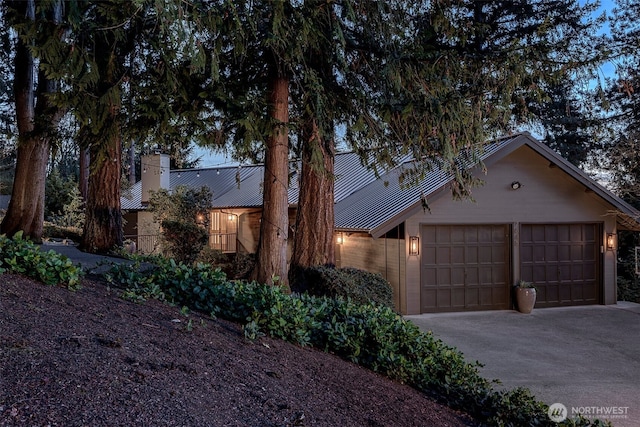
{"type": "Point", "coordinates": [103, 222]}
{"type": "Point", "coordinates": [83, 179]}
{"type": "Point", "coordinates": [271, 261]}
{"type": "Point", "coordinates": [103, 218]}
{"type": "Point", "coordinates": [313, 243]}
{"type": "Point", "coordinates": [37, 120]}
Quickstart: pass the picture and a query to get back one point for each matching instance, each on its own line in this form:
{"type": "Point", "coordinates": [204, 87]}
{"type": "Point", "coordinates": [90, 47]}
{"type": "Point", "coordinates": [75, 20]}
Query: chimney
{"type": "Point", "coordinates": [155, 174]}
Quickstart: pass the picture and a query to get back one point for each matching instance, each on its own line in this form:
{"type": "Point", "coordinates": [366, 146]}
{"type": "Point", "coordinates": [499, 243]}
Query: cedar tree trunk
{"type": "Point", "coordinates": [26, 208]}
{"type": "Point", "coordinates": [103, 223]}
{"type": "Point", "coordinates": [313, 244]}
{"type": "Point", "coordinates": [271, 260]}
{"type": "Point", "coordinates": [83, 179]}
{"type": "Point", "coordinates": [103, 216]}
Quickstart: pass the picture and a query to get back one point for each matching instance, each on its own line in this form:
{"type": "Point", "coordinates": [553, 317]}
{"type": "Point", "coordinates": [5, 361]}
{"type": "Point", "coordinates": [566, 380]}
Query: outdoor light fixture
{"type": "Point", "coordinates": [515, 185]}
{"type": "Point", "coordinates": [230, 217]}
{"type": "Point", "coordinates": [611, 242]}
{"type": "Point", "coordinates": [414, 245]}
{"type": "Point", "coordinates": [340, 239]}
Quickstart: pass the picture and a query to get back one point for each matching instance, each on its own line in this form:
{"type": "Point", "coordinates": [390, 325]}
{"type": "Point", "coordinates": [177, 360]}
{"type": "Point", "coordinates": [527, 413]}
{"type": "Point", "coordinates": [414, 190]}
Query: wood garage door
{"type": "Point", "coordinates": [464, 267]}
{"type": "Point", "coordinates": [563, 261]}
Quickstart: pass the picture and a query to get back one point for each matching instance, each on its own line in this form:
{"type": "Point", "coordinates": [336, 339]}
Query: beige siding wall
{"type": "Point", "coordinates": [249, 228]}
{"type": "Point", "coordinates": [547, 195]}
{"type": "Point", "coordinates": [383, 256]}
{"type": "Point", "coordinates": [148, 231]}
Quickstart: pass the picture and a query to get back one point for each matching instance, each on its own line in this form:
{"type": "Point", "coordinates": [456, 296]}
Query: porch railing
{"type": "Point", "coordinates": [145, 243]}
{"type": "Point", "coordinates": [149, 243]}
{"type": "Point", "coordinates": [224, 242]}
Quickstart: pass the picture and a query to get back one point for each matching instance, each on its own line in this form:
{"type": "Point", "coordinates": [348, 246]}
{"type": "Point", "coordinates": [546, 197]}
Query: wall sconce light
{"type": "Point", "coordinates": [414, 245]}
{"type": "Point", "coordinates": [611, 242]}
{"type": "Point", "coordinates": [340, 239]}
{"type": "Point", "coordinates": [231, 217]}
{"type": "Point", "coordinates": [199, 218]}
{"type": "Point", "coordinates": [515, 185]}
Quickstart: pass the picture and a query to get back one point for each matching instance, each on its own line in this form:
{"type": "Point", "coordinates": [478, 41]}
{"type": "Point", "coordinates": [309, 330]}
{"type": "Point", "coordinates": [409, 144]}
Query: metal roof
{"type": "Point", "coordinates": [376, 204]}
{"type": "Point", "coordinates": [365, 202]}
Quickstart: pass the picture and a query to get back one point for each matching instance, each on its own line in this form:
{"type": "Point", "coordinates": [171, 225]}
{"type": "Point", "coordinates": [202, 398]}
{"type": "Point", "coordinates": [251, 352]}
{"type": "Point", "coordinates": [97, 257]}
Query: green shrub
{"type": "Point", "coordinates": [211, 256]}
{"type": "Point", "coordinates": [371, 335]}
{"type": "Point", "coordinates": [53, 231]}
{"type": "Point", "coordinates": [25, 257]}
{"type": "Point", "coordinates": [184, 240]}
{"type": "Point", "coordinates": [360, 286]}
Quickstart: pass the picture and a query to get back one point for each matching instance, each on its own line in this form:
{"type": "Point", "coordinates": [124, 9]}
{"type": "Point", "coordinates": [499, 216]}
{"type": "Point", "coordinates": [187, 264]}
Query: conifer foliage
{"type": "Point", "coordinates": [273, 80]}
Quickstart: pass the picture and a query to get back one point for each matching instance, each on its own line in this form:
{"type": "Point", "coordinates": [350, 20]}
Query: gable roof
{"type": "Point", "coordinates": [364, 202]}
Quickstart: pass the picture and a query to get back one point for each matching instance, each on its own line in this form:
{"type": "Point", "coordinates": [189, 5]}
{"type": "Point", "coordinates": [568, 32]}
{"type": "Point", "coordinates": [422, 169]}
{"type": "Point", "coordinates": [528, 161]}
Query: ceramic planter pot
{"type": "Point", "coordinates": [525, 299]}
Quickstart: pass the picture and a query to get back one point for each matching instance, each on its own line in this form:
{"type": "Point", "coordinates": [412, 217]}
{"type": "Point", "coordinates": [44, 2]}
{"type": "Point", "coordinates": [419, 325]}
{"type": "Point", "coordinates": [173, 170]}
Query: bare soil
{"type": "Point", "coordinates": [90, 358]}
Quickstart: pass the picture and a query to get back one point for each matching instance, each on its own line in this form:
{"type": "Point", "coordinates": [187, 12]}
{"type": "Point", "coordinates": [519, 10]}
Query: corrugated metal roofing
{"type": "Point", "coordinates": [351, 175]}
{"type": "Point", "coordinates": [363, 202]}
{"type": "Point", "coordinates": [374, 204]}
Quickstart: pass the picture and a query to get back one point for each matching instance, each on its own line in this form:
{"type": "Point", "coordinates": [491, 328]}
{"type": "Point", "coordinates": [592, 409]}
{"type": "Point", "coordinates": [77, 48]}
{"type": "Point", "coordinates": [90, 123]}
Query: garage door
{"type": "Point", "coordinates": [563, 261]}
{"type": "Point", "coordinates": [464, 268]}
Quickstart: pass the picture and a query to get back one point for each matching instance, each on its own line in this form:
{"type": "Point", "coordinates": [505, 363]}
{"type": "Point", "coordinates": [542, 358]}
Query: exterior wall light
{"type": "Point", "coordinates": [230, 217]}
{"type": "Point", "coordinates": [611, 242]}
{"type": "Point", "coordinates": [414, 245]}
{"type": "Point", "coordinates": [340, 239]}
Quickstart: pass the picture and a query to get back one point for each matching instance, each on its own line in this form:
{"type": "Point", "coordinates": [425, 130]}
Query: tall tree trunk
{"type": "Point", "coordinates": [271, 259]}
{"type": "Point", "coordinates": [132, 164]}
{"type": "Point", "coordinates": [83, 179]}
{"type": "Point", "coordinates": [103, 222]}
{"type": "Point", "coordinates": [313, 243]}
{"type": "Point", "coordinates": [37, 121]}
{"type": "Point", "coordinates": [103, 216]}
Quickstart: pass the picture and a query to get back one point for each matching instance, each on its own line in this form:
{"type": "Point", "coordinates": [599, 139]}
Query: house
{"type": "Point", "coordinates": [537, 217]}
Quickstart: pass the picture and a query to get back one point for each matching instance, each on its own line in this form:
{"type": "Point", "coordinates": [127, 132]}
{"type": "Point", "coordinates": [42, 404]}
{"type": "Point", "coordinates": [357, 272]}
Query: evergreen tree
{"type": "Point", "coordinates": [427, 78]}
{"type": "Point", "coordinates": [109, 55]}
{"type": "Point", "coordinates": [37, 118]}
{"type": "Point", "coordinates": [619, 155]}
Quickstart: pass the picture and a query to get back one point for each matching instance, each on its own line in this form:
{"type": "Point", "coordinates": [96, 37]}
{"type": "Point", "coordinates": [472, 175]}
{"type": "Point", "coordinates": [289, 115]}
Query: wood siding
{"type": "Point", "coordinates": [384, 256]}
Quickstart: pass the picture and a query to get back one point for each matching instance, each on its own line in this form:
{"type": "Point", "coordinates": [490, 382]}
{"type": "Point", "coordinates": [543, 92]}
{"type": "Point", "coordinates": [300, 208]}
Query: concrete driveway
{"type": "Point", "coordinates": [587, 358]}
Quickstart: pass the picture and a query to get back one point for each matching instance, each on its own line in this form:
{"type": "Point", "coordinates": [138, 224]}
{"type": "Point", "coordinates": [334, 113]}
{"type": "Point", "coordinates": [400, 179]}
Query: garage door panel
{"type": "Point", "coordinates": [538, 253]}
{"type": "Point", "coordinates": [577, 292]}
{"type": "Point", "coordinates": [539, 274]}
{"type": "Point", "coordinates": [470, 276]}
{"type": "Point", "coordinates": [443, 236]}
{"type": "Point", "coordinates": [444, 277]}
{"type": "Point", "coordinates": [471, 255]}
{"type": "Point", "coordinates": [577, 272]}
{"type": "Point", "coordinates": [486, 276]}
{"type": "Point", "coordinates": [444, 297]}
{"type": "Point", "coordinates": [550, 234]}
{"type": "Point", "coordinates": [458, 296]}
{"type": "Point", "coordinates": [576, 253]}
{"type": "Point", "coordinates": [443, 256]}
{"type": "Point", "coordinates": [457, 255]}
{"type": "Point", "coordinates": [457, 277]}
{"type": "Point", "coordinates": [457, 235]}
{"type": "Point", "coordinates": [568, 272]}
